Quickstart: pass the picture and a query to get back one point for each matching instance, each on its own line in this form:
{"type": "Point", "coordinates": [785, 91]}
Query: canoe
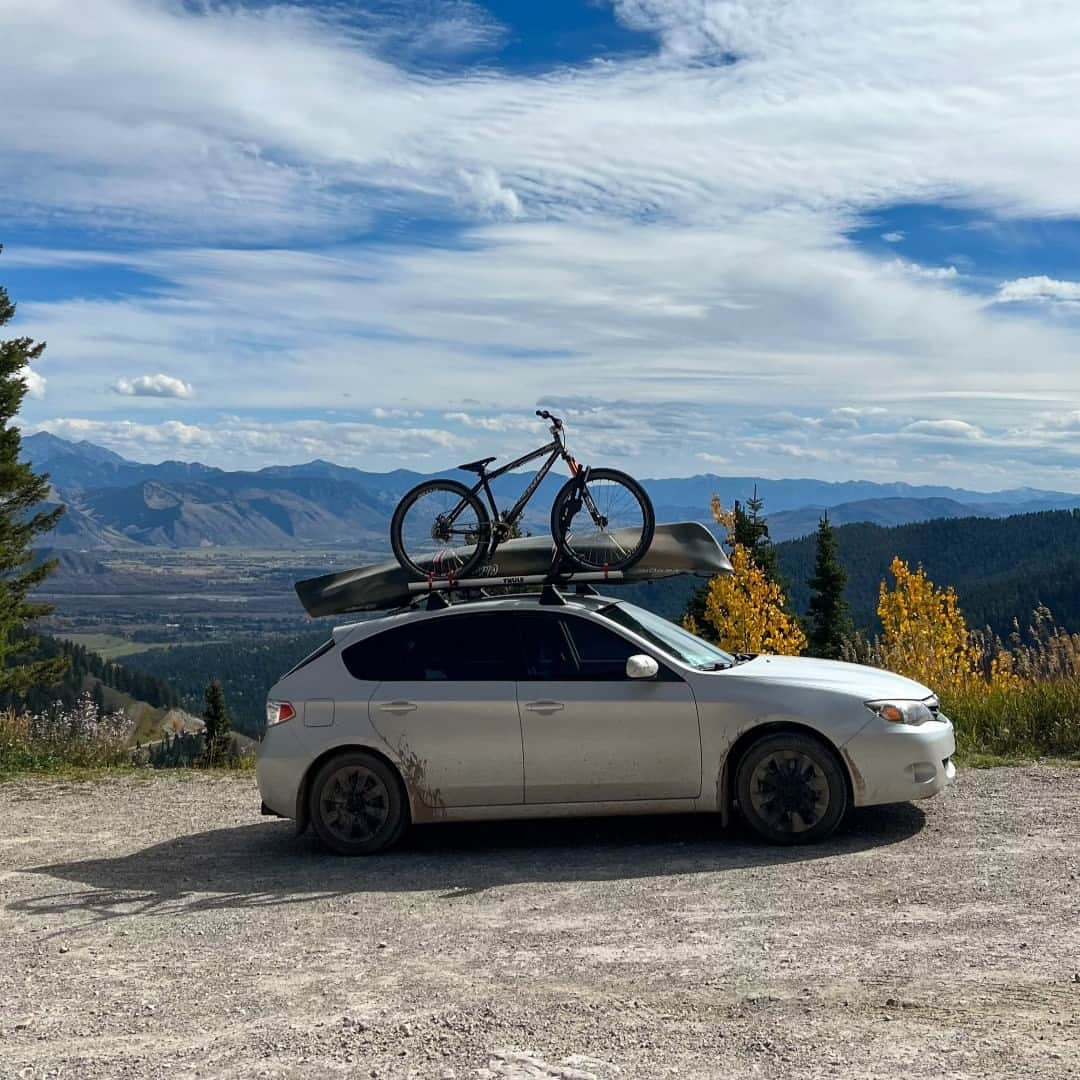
{"type": "Point", "coordinates": [685, 547]}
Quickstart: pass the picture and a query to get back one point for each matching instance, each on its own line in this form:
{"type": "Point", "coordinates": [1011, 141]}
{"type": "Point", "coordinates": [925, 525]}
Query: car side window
{"type": "Point", "coordinates": [560, 647]}
{"type": "Point", "coordinates": [462, 648]}
{"type": "Point", "coordinates": [601, 653]}
{"type": "Point", "coordinates": [546, 650]}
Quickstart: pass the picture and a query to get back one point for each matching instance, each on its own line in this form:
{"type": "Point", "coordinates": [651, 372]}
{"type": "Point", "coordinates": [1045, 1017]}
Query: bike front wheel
{"type": "Point", "coordinates": [605, 523]}
{"type": "Point", "coordinates": [440, 529]}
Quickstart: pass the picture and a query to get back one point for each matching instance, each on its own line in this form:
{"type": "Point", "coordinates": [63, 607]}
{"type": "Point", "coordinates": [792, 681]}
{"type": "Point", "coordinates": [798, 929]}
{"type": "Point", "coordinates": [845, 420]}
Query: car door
{"type": "Point", "coordinates": [592, 734]}
{"type": "Point", "coordinates": [446, 704]}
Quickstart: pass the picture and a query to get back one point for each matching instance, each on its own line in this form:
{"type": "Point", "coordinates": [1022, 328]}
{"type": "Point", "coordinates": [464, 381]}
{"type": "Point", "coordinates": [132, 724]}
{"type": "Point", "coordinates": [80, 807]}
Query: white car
{"type": "Point", "coordinates": [559, 706]}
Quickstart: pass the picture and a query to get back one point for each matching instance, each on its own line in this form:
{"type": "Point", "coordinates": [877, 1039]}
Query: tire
{"type": "Point", "coordinates": [775, 810]}
{"type": "Point", "coordinates": [629, 507]}
{"type": "Point", "coordinates": [378, 814]}
{"type": "Point", "coordinates": [414, 543]}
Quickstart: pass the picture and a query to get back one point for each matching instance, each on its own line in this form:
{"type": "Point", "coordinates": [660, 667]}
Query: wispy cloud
{"type": "Point", "coordinates": [668, 230]}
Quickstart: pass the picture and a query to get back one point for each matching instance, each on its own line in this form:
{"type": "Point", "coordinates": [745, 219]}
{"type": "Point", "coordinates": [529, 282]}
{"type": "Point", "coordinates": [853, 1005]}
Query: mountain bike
{"type": "Point", "coordinates": [601, 519]}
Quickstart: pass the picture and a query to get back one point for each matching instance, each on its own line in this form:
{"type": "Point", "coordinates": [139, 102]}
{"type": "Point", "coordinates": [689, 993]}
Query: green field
{"type": "Point", "coordinates": [112, 647]}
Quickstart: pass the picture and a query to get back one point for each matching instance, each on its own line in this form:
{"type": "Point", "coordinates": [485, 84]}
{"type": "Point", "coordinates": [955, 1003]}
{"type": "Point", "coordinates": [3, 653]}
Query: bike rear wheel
{"type": "Point", "coordinates": [610, 534]}
{"type": "Point", "coordinates": [440, 529]}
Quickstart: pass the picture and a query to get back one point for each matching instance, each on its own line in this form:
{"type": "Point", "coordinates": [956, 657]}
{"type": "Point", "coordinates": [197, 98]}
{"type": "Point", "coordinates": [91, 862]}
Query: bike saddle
{"type": "Point", "coordinates": [476, 466]}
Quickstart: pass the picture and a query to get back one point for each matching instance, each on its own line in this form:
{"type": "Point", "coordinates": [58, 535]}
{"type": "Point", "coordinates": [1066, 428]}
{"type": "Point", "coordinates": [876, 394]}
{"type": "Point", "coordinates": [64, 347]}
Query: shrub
{"type": "Point", "coordinates": [82, 735]}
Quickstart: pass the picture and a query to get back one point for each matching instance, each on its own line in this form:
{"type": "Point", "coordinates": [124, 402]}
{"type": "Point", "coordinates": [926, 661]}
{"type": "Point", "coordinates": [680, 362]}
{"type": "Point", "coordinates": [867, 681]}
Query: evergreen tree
{"type": "Point", "coordinates": [828, 614]}
{"type": "Point", "coordinates": [217, 741]}
{"type": "Point", "coordinates": [22, 492]}
{"type": "Point", "coordinates": [751, 530]}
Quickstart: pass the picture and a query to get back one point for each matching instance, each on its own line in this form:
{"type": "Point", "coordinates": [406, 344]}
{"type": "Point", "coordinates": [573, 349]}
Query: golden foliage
{"type": "Point", "coordinates": [746, 609]}
{"type": "Point", "coordinates": [925, 637]}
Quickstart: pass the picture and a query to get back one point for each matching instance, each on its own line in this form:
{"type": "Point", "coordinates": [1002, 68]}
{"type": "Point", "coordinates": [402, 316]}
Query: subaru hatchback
{"type": "Point", "coordinates": [542, 706]}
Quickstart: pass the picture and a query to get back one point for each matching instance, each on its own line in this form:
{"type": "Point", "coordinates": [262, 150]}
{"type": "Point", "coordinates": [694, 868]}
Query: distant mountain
{"type": "Point", "coordinates": [790, 524]}
{"type": "Point", "coordinates": [114, 502]}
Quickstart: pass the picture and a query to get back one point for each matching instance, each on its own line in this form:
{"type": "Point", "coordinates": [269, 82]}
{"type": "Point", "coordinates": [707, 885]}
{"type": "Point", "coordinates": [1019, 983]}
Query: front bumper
{"type": "Point", "coordinates": [891, 763]}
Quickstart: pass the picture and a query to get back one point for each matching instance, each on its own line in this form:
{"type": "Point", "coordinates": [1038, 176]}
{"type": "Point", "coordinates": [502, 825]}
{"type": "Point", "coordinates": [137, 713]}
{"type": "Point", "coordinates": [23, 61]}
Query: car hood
{"type": "Point", "coordinates": [867, 683]}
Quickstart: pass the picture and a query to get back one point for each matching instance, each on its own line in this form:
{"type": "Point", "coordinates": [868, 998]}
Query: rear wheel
{"type": "Point", "coordinates": [440, 529]}
{"type": "Point", "coordinates": [607, 523]}
{"type": "Point", "coordinates": [357, 805]}
{"type": "Point", "coordinates": [791, 789]}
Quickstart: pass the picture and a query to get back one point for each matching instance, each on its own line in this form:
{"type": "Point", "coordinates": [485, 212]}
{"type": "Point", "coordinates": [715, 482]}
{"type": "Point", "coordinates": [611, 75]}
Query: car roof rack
{"type": "Point", "coordinates": [551, 597]}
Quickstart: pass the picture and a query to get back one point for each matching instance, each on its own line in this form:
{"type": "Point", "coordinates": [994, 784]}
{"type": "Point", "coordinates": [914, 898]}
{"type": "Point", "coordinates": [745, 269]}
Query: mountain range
{"type": "Point", "coordinates": [114, 502]}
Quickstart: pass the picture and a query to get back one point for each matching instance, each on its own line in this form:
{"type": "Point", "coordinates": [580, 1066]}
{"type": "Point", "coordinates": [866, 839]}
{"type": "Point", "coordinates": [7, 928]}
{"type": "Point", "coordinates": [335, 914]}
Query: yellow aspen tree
{"type": "Point", "coordinates": [746, 609]}
{"type": "Point", "coordinates": [925, 636]}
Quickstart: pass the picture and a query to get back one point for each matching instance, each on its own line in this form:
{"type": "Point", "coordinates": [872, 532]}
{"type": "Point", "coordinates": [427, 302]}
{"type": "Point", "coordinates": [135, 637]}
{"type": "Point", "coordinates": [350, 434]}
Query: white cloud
{"type": "Point", "coordinates": [713, 459]}
{"type": "Point", "coordinates": [248, 442]}
{"type": "Point", "coordinates": [159, 386]}
{"type": "Point", "coordinates": [395, 414]}
{"type": "Point", "coordinates": [944, 429]}
{"type": "Point", "coordinates": [35, 383]}
{"type": "Point", "coordinates": [930, 273]}
{"type": "Point", "coordinates": [1038, 288]}
{"type": "Point", "coordinates": [485, 191]}
{"type": "Point", "coordinates": [892, 237]}
{"type": "Point", "coordinates": [505, 422]}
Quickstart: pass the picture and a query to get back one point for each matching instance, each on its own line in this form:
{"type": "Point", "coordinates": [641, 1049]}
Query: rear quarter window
{"type": "Point", "coordinates": [476, 647]}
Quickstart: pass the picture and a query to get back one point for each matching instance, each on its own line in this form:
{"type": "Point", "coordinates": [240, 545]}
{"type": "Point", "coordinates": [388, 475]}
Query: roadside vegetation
{"type": "Point", "coordinates": [1009, 699]}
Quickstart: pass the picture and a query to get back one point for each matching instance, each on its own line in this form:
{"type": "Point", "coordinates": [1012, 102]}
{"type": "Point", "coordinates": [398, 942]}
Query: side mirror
{"type": "Point", "coordinates": [641, 666]}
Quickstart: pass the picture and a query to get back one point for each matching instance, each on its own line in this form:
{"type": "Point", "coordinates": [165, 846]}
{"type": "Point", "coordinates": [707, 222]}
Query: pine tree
{"type": "Point", "coordinates": [217, 740]}
{"type": "Point", "coordinates": [828, 613]}
{"type": "Point", "coordinates": [22, 492]}
{"type": "Point", "coordinates": [752, 531]}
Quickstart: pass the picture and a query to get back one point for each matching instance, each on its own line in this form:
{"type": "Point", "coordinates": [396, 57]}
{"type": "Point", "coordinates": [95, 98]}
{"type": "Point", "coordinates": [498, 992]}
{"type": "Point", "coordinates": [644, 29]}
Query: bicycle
{"type": "Point", "coordinates": [601, 519]}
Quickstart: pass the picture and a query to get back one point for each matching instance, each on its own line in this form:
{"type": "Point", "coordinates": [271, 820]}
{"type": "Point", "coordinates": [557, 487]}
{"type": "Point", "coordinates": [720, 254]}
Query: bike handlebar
{"type": "Point", "coordinates": [545, 415]}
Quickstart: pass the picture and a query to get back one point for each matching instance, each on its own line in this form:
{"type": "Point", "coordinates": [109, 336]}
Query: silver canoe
{"type": "Point", "coordinates": [686, 547]}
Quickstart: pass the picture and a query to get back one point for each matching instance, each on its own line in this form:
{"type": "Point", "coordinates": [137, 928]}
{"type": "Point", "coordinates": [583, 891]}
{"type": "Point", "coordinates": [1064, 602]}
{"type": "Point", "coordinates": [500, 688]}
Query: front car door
{"type": "Point", "coordinates": [446, 705]}
{"type": "Point", "coordinates": [590, 733]}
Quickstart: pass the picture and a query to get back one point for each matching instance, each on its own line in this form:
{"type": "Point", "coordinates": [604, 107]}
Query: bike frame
{"type": "Point", "coordinates": [555, 449]}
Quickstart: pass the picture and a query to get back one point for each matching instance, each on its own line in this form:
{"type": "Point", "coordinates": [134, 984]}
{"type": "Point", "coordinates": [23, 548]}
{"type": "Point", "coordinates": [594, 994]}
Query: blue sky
{"type": "Point", "coordinates": [773, 239]}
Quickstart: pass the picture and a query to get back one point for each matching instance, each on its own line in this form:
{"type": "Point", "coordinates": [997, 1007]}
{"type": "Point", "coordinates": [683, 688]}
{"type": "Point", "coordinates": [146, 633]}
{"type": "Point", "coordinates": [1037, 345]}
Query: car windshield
{"type": "Point", "coordinates": [666, 635]}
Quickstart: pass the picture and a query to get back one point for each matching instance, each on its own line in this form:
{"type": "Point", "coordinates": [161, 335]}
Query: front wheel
{"type": "Point", "coordinates": [791, 789]}
{"type": "Point", "coordinates": [604, 523]}
{"type": "Point", "coordinates": [440, 529]}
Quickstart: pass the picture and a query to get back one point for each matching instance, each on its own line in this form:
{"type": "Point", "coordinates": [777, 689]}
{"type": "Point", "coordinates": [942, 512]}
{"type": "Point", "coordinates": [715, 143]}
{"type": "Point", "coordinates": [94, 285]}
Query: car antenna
{"type": "Point", "coordinates": [436, 602]}
{"type": "Point", "coordinates": [584, 589]}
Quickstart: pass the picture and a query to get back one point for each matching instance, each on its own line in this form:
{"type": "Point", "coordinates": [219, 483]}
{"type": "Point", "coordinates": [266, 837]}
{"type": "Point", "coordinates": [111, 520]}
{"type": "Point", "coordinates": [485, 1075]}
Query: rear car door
{"type": "Point", "coordinates": [592, 734]}
{"type": "Point", "coordinates": [446, 704]}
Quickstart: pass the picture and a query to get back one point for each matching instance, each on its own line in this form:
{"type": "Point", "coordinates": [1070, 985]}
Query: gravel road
{"type": "Point", "coordinates": [157, 926]}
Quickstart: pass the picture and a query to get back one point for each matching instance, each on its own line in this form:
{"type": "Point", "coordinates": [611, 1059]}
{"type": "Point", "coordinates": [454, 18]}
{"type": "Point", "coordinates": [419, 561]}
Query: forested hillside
{"type": "Point", "coordinates": [246, 670]}
{"type": "Point", "coordinates": [86, 668]}
{"type": "Point", "coordinates": [1001, 568]}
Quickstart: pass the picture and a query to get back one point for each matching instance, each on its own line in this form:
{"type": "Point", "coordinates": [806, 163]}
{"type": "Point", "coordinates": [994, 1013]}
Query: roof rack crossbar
{"type": "Point", "coordinates": [446, 585]}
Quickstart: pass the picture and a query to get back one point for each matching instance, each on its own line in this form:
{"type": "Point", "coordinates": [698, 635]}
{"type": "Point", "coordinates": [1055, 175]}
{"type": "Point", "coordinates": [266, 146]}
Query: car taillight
{"type": "Point", "coordinates": [277, 712]}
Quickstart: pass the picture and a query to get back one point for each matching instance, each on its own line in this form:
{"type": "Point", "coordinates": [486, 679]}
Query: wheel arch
{"type": "Point", "coordinates": [303, 794]}
{"type": "Point", "coordinates": [747, 739]}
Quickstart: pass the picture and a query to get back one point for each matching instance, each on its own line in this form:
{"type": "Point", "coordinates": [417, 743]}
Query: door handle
{"type": "Point", "coordinates": [398, 708]}
{"type": "Point", "coordinates": [544, 707]}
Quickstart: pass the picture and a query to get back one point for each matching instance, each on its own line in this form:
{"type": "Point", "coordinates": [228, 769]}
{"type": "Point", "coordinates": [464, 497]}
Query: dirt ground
{"type": "Point", "coordinates": [158, 926]}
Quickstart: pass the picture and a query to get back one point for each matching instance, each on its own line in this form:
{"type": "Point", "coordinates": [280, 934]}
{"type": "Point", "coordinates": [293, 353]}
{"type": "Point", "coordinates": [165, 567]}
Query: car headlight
{"type": "Point", "coordinates": [912, 713]}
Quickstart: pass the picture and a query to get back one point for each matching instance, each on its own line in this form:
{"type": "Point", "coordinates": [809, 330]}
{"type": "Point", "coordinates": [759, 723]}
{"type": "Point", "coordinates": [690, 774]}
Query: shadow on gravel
{"type": "Point", "coordinates": [265, 864]}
